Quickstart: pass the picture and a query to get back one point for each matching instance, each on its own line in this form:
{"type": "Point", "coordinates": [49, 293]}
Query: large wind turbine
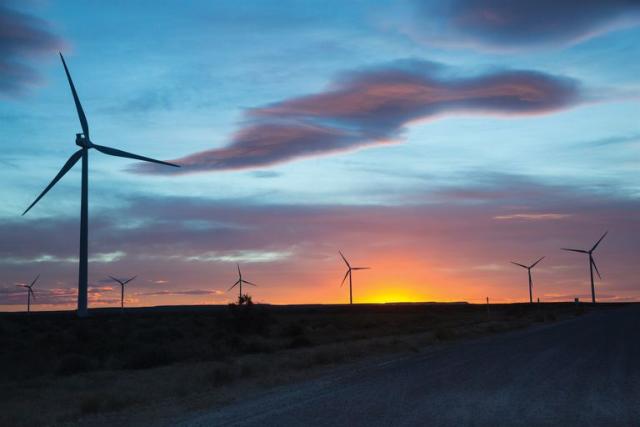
{"type": "Point", "coordinates": [530, 280]}
{"type": "Point", "coordinates": [240, 282]}
{"type": "Point", "coordinates": [83, 140]}
{"type": "Point", "coordinates": [348, 273]}
{"type": "Point", "coordinates": [30, 292]}
{"type": "Point", "coordinates": [592, 264]}
{"type": "Point", "coordinates": [122, 283]}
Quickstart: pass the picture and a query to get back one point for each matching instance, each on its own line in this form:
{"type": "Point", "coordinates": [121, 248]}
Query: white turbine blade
{"type": "Point", "coordinates": [344, 259]}
{"type": "Point", "coordinates": [575, 250]}
{"type": "Point", "coordinates": [536, 263]}
{"type": "Point", "coordinates": [81, 116]}
{"type": "Point", "coordinates": [72, 161]}
{"type": "Point", "coordinates": [596, 267]}
{"type": "Point", "coordinates": [119, 153]}
{"type": "Point", "coordinates": [345, 277]}
{"type": "Point", "coordinates": [34, 281]}
{"type": "Point", "coordinates": [598, 242]}
{"type": "Point", "coordinates": [517, 263]}
{"type": "Point", "coordinates": [22, 286]}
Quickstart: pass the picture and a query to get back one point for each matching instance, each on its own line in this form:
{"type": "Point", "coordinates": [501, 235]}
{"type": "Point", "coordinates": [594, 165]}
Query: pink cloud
{"type": "Point", "coordinates": [373, 107]}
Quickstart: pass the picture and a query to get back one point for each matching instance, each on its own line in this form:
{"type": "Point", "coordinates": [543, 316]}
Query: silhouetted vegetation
{"type": "Point", "coordinates": [73, 358]}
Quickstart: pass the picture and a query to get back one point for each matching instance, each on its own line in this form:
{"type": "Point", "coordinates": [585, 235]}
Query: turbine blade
{"type": "Point", "coordinates": [234, 285]}
{"type": "Point", "coordinates": [239, 273]}
{"type": "Point", "coordinates": [521, 265]}
{"type": "Point", "coordinates": [344, 259]}
{"type": "Point", "coordinates": [345, 277]}
{"type": "Point", "coordinates": [33, 294]}
{"type": "Point", "coordinates": [72, 161]}
{"type": "Point", "coordinates": [34, 281]}
{"type": "Point", "coordinates": [248, 283]}
{"type": "Point", "coordinates": [81, 116]}
{"type": "Point", "coordinates": [361, 268]}
{"type": "Point", "coordinates": [130, 280]}
{"type": "Point", "coordinates": [598, 242]}
{"type": "Point", "coordinates": [119, 153]}
{"type": "Point", "coordinates": [596, 267]}
{"type": "Point", "coordinates": [22, 286]}
{"type": "Point", "coordinates": [536, 263]}
{"type": "Point", "coordinates": [575, 250]}
{"type": "Point", "coordinates": [117, 280]}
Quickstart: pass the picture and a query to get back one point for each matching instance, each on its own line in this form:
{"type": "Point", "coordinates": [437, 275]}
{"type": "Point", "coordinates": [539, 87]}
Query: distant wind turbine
{"type": "Point", "coordinates": [592, 264]}
{"type": "Point", "coordinates": [82, 140]}
{"type": "Point", "coordinates": [530, 280]}
{"type": "Point", "coordinates": [30, 292]}
{"type": "Point", "coordinates": [348, 273]}
{"type": "Point", "coordinates": [122, 283]}
{"type": "Point", "coordinates": [240, 282]}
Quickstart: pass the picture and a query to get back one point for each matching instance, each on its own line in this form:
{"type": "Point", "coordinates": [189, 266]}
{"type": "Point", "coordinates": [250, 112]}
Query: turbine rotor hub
{"type": "Point", "coordinates": [82, 140]}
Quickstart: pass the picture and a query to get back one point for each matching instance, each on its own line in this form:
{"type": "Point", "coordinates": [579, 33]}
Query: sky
{"type": "Point", "coordinates": [433, 141]}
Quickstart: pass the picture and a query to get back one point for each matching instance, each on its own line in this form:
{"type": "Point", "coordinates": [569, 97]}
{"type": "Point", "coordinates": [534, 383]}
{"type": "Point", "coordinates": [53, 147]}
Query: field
{"type": "Point", "coordinates": [152, 363]}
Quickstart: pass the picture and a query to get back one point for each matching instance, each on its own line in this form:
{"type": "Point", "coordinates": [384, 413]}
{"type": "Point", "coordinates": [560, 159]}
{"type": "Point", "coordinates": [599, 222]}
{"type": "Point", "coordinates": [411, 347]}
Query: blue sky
{"type": "Point", "coordinates": [171, 80]}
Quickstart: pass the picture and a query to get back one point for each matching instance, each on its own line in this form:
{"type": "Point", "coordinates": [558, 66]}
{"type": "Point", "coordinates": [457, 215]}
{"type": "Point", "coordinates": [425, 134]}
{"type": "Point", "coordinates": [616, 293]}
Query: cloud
{"type": "Point", "coordinates": [197, 292]}
{"type": "Point", "coordinates": [47, 258]}
{"type": "Point", "coordinates": [22, 37]}
{"type": "Point", "coordinates": [55, 296]}
{"type": "Point", "coordinates": [373, 107]}
{"type": "Point", "coordinates": [507, 24]}
{"type": "Point", "coordinates": [446, 248]}
{"type": "Point", "coordinates": [533, 216]}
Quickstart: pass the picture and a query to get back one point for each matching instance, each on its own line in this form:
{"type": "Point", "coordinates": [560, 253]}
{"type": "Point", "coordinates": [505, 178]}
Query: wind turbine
{"type": "Point", "coordinates": [240, 282]}
{"type": "Point", "coordinates": [122, 283]}
{"type": "Point", "coordinates": [530, 280]}
{"type": "Point", "coordinates": [85, 144]}
{"type": "Point", "coordinates": [30, 292]}
{"type": "Point", "coordinates": [348, 273]}
{"type": "Point", "coordinates": [592, 264]}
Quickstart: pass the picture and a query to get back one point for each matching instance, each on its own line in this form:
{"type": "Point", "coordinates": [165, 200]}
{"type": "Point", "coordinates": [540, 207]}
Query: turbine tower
{"type": "Point", "coordinates": [85, 144]}
{"type": "Point", "coordinates": [30, 292]}
{"type": "Point", "coordinates": [122, 283]}
{"type": "Point", "coordinates": [348, 273]}
{"type": "Point", "coordinates": [530, 280]}
{"type": "Point", "coordinates": [240, 282]}
{"type": "Point", "coordinates": [592, 264]}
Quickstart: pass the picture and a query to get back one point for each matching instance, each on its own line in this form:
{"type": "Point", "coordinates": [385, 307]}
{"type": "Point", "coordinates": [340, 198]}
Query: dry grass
{"type": "Point", "coordinates": [159, 363]}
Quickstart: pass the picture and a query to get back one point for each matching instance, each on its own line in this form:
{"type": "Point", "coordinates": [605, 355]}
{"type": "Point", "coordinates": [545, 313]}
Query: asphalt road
{"type": "Point", "coordinates": [582, 372]}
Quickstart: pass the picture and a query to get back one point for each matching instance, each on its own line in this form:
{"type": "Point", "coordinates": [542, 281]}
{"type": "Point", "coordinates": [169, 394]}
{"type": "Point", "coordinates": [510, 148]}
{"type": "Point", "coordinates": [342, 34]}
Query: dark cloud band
{"type": "Point", "coordinates": [510, 24]}
{"type": "Point", "coordinates": [22, 36]}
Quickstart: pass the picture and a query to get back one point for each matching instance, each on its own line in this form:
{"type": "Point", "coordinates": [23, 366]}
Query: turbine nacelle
{"type": "Point", "coordinates": [83, 141]}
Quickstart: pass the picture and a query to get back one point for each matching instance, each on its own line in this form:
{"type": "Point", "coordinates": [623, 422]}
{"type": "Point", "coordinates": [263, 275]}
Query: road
{"type": "Point", "coordinates": [582, 372]}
